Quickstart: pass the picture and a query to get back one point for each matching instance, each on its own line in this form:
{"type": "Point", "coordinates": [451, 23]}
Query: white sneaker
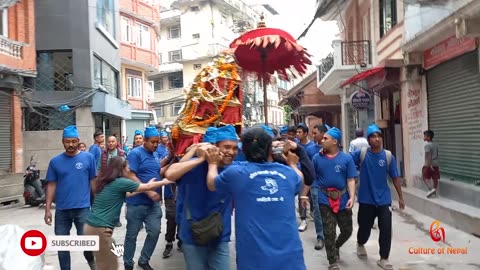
{"type": "Point", "coordinates": [431, 193]}
{"type": "Point", "coordinates": [303, 226]}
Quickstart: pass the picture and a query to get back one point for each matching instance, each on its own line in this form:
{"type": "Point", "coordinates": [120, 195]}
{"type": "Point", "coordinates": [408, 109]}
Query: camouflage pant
{"type": "Point", "coordinates": [330, 220]}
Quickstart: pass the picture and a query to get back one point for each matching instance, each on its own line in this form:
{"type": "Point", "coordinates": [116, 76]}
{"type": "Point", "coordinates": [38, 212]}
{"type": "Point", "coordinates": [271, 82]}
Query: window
{"type": "Point", "coordinates": [134, 87]}
{"type": "Point", "coordinates": [54, 71]}
{"type": "Point", "coordinates": [175, 56]}
{"type": "Point", "coordinates": [160, 58]}
{"type": "Point", "coordinates": [175, 81]}
{"type": "Point", "coordinates": [174, 32]}
{"type": "Point", "coordinates": [195, 8]}
{"type": "Point", "coordinates": [46, 118]}
{"type": "Point", "coordinates": [126, 30]}
{"type": "Point", "coordinates": [197, 66]}
{"type": "Point", "coordinates": [150, 90]}
{"type": "Point", "coordinates": [388, 15]}
{"type": "Point", "coordinates": [196, 36]}
{"type": "Point", "coordinates": [176, 108]}
{"type": "Point", "coordinates": [143, 36]}
{"type": "Point", "coordinates": [158, 84]}
{"type": "Point", "coordinates": [106, 15]}
{"type": "Point", "coordinates": [160, 111]}
{"type": "Point", "coordinates": [106, 76]}
{"type": "Point", "coordinates": [4, 22]}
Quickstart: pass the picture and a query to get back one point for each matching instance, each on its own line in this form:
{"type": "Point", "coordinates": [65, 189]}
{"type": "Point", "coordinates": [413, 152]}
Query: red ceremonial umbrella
{"type": "Point", "coordinates": [265, 51]}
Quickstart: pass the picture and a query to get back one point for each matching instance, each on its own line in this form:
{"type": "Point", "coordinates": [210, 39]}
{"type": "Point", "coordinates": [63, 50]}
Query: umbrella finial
{"type": "Point", "coordinates": [261, 23]}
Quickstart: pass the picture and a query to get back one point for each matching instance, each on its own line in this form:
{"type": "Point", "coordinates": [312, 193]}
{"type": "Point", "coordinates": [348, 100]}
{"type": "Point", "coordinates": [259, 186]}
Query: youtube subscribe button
{"type": "Point", "coordinates": [34, 243]}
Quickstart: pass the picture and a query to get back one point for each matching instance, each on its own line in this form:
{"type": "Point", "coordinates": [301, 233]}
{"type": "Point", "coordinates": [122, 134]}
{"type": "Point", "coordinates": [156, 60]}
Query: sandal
{"type": "Point", "coordinates": [384, 264]}
{"type": "Point", "coordinates": [361, 251]}
{"type": "Point", "coordinates": [333, 267]}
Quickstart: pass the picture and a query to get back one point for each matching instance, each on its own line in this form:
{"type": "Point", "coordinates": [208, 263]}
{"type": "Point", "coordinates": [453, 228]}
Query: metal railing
{"type": "Point", "coordinates": [356, 52]}
{"type": "Point", "coordinates": [11, 48]}
{"type": "Point", "coordinates": [325, 66]}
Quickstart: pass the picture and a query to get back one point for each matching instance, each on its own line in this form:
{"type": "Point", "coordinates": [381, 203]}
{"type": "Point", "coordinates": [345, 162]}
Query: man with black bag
{"type": "Point", "coordinates": [205, 223]}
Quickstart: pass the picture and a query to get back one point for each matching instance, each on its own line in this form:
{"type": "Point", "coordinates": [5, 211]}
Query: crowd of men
{"type": "Point", "coordinates": [257, 176]}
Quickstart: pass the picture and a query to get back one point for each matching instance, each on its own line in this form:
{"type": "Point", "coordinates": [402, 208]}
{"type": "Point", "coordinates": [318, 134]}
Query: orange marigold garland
{"type": "Point", "coordinates": [216, 84]}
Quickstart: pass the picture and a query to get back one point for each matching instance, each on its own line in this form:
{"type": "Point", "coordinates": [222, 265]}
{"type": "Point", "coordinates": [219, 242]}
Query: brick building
{"type": "Point", "coordinates": [17, 67]}
{"type": "Point", "coordinates": [139, 32]}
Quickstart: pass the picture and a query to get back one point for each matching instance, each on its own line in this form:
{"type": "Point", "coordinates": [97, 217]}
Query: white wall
{"type": "Point", "coordinates": [414, 121]}
{"type": "Point", "coordinates": [419, 18]}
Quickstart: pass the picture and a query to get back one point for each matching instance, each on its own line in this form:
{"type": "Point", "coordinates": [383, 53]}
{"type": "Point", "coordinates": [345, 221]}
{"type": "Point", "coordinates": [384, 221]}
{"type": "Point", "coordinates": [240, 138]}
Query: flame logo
{"type": "Point", "coordinates": [437, 233]}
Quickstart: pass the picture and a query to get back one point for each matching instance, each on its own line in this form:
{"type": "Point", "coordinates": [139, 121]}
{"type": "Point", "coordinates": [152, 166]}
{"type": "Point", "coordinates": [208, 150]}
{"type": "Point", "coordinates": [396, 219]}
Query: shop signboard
{"type": "Point", "coordinates": [360, 100]}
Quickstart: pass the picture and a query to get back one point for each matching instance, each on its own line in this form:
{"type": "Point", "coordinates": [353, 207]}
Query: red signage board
{"type": "Point", "coordinates": [447, 49]}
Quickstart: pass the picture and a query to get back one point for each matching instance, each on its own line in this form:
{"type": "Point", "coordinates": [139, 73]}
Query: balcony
{"type": "Point", "coordinates": [170, 67]}
{"type": "Point", "coordinates": [348, 59]}
{"type": "Point", "coordinates": [140, 57]}
{"type": "Point", "coordinates": [237, 6]}
{"type": "Point", "coordinates": [198, 50]}
{"type": "Point", "coordinates": [11, 48]}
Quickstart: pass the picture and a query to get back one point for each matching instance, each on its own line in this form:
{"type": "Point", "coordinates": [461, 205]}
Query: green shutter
{"type": "Point", "coordinates": [5, 132]}
{"type": "Point", "coordinates": [454, 116]}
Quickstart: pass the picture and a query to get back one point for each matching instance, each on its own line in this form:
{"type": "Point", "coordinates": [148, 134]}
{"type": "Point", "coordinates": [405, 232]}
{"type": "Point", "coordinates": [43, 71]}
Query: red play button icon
{"type": "Point", "coordinates": [33, 243]}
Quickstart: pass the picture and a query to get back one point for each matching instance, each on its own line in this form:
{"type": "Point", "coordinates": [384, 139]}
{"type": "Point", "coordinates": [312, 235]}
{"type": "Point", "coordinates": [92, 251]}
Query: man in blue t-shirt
{"type": "Point", "coordinates": [336, 174]}
{"type": "Point", "coordinates": [374, 196]}
{"type": "Point", "coordinates": [303, 141]}
{"type": "Point", "coordinates": [198, 202]}
{"type": "Point", "coordinates": [69, 177]}
{"type": "Point", "coordinates": [266, 231]}
{"type": "Point", "coordinates": [317, 134]}
{"type": "Point", "coordinates": [143, 208]}
{"type": "Point", "coordinates": [95, 149]}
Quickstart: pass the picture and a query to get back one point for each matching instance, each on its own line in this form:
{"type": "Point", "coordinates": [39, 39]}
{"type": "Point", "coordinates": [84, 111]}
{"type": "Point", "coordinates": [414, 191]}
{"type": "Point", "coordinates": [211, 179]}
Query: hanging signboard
{"type": "Point", "coordinates": [360, 100]}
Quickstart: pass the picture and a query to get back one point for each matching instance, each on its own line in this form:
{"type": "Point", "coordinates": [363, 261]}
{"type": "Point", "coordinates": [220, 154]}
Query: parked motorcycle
{"type": "Point", "coordinates": [35, 189]}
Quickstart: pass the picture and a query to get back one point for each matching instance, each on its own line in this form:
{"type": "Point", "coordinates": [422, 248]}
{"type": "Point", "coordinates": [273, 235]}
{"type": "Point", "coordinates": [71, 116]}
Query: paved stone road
{"type": "Point", "coordinates": [411, 229]}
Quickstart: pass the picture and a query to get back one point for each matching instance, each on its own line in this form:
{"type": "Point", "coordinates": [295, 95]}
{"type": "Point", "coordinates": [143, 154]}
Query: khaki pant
{"type": "Point", "coordinates": [104, 257]}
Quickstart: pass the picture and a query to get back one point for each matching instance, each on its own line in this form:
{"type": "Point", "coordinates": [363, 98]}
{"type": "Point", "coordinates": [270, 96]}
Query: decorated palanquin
{"type": "Point", "coordinates": [213, 99]}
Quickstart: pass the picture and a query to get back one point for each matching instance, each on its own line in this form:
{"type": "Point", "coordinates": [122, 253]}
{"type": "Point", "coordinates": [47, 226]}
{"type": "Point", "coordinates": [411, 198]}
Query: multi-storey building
{"type": "Point", "coordinates": [78, 63]}
{"type": "Point", "coordinates": [140, 29]}
{"type": "Point", "coordinates": [192, 33]}
{"type": "Point", "coordinates": [17, 69]}
{"type": "Point", "coordinates": [419, 63]}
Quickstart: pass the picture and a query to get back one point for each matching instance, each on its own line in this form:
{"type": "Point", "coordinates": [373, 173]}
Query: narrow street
{"type": "Point", "coordinates": [411, 229]}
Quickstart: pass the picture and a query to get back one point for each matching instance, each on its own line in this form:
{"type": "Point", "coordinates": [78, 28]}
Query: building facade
{"type": "Point", "coordinates": [310, 105]}
{"type": "Point", "coordinates": [140, 29]}
{"type": "Point", "coordinates": [423, 75]}
{"type": "Point", "coordinates": [440, 86]}
{"type": "Point", "coordinates": [17, 69]}
{"type": "Point", "coordinates": [78, 58]}
{"type": "Point", "coordinates": [184, 49]}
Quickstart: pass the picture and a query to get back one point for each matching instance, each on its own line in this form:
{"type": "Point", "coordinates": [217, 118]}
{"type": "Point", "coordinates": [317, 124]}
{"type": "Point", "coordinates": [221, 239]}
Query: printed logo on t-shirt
{"type": "Point", "coordinates": [270, 185]}
{"type": "Point", "coordinates": [381, 163]}
{"type": "Point", "coordinates": [79, 165]}
{"type": "Point", "coordinates": [338, 168]}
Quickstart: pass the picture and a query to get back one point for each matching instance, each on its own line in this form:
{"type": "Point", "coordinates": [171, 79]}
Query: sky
{"type": "Point", "coordinates": [294, 17]}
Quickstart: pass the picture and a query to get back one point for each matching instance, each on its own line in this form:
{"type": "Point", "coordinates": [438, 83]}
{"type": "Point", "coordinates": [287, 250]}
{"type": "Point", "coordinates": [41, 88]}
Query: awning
{"type": "Point", "coordinates": [363, 76]}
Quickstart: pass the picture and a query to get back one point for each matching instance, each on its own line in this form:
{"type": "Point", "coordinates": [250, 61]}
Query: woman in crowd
{"type": "Point", "coordinates": [82, 147]}
{"type": "Point", "coordinates": [264, 192]}
{"type": "Point", "coordinates": [112, 187]}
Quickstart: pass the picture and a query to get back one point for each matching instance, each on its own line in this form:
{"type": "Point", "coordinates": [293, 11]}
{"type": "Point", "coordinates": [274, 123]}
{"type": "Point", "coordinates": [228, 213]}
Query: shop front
{"type": "Point", "coordinates": [453, 94]}
{"type": "Point", "coordinates": [382, 85]}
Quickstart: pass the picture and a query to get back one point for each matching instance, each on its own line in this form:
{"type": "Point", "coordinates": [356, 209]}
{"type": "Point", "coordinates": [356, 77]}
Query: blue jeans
{"type": "Point", "coordinates": [151, 215]}
{"type": "Point", "coordinates": [212, 257]}
{"type": "Point", "coordinates": [63, 225]}
{"type": "Point", "coordinates": [317, 216]}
